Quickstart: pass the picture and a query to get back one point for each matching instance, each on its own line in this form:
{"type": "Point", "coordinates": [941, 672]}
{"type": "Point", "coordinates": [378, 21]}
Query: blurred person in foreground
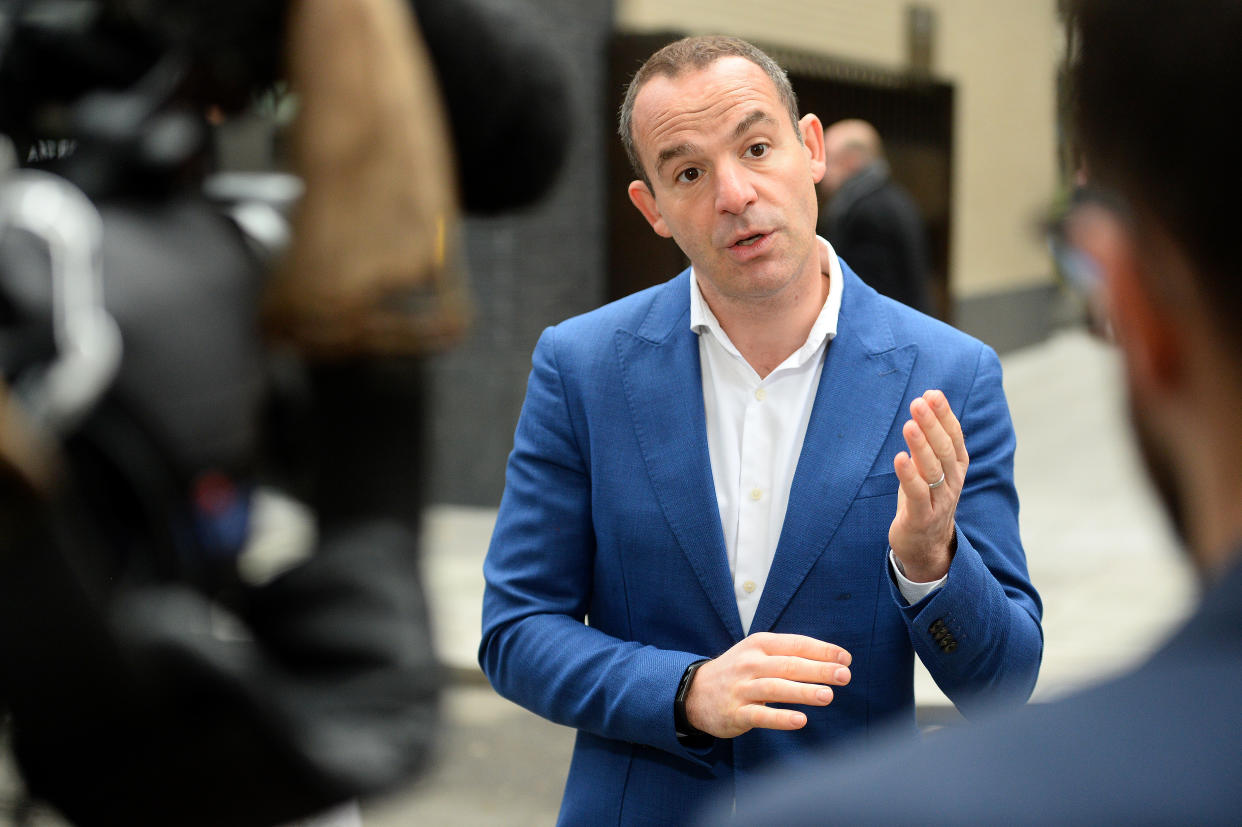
{"type": "Point", "coordinates": [1163, 743]}
{"type": "Point", "coordinates": [211, 413]}
{"type": "Point", "coordinates": [869, 219]}
{"type": "Point", "coordinates": [193, 630]}
{"type": "Point", "coordinates": [734, 511]}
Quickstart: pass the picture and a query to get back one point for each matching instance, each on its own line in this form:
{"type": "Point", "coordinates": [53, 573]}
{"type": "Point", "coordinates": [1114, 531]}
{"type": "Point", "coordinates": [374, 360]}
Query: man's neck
{"type": "Point", "coordinates": [1209, 453]}
{"type": "Point", "coordinates": [1215, 529]}
{"type": "Point", "coordinates": [767, 331]}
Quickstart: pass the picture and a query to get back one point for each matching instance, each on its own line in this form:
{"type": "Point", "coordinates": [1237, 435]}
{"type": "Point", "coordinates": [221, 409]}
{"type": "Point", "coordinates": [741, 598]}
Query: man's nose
{"type": "Point", "coordinates": [734, 190]}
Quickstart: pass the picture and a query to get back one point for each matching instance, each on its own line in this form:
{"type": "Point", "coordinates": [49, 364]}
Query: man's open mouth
{"type": "Point", "coordinates": [749, 240]}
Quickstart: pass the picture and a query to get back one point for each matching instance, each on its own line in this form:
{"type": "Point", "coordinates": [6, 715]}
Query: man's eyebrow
{"type": "Point", "coordinates": [758, 116]}
{"type": "Point", "coordinates": [672, 152]}
{"type": "Point", "coordinates": [743, 126]}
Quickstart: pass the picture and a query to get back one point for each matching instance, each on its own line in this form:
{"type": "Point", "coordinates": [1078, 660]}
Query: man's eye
{"type": "Point", "coordinates": [690, 175]}
{"type": "Point", "coordinates": [757, 150]}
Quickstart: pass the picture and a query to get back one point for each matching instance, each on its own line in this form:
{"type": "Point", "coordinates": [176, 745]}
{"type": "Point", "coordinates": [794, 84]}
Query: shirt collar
{"type": "Point", "coordinates": [824, 329]}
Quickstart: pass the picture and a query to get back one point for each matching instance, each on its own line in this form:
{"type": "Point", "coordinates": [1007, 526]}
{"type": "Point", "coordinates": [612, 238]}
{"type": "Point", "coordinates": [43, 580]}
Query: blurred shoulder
{"type": "Point", "coordinates": [1123, 752]}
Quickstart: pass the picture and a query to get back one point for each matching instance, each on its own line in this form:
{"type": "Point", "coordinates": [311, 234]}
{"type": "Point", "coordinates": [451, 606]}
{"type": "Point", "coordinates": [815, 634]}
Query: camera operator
{"type": "Point", "coordinates": [211, 404]}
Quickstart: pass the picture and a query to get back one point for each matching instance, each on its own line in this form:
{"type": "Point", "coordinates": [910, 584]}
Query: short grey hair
{"type": "Point", "coordinates": [698, 53]}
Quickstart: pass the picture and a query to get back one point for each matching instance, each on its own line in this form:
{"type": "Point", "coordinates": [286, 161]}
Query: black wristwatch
{"type": "Point", "coordinates": [687, 734]}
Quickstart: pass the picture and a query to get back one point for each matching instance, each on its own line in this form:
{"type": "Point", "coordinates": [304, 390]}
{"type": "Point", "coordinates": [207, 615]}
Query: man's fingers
{"type": "Point", "coordinates": [802, 646]}
{"type": "Point", "coordinates": [948, 420]}
{"type": "Point", "coordinates": [729, 693]}
{"type": "Point", "coordinates": [934, 430]}
{"type": "Point", "coordinates": [913, 484]}
{"type": "Point", "coordinates": [780, 691]}
{"type": "Point", "coordinates": [766, 717]}
{"type": "Point", "coordinates": [921, 452]}
{"type": "Point", "coordinates": [792, 668]}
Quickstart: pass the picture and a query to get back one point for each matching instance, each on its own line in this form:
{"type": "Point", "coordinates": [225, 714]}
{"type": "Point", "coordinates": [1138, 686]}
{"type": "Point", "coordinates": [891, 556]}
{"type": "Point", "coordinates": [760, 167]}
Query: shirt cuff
{"type": "Point", "coordinates": [913, 592]}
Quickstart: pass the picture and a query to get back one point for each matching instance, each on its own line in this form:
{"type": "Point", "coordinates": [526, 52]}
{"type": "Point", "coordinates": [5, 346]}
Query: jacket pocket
{"type": "Point", "coordinates": [878, 485]}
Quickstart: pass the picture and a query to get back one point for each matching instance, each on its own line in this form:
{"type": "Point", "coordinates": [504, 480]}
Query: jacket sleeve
{"type": "Point", "coordinates": [979, 635]}
{"type": "Point", "coordinates": [537, 649]}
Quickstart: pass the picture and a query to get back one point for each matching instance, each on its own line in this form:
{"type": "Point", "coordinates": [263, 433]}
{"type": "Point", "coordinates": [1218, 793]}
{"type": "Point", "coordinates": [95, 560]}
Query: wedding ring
{"type": "Point", "coordinates": [938, 482]}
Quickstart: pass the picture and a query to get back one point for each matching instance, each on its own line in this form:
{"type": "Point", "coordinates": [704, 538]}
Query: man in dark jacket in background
{"type": "Point", "coordinates": [869, 219]}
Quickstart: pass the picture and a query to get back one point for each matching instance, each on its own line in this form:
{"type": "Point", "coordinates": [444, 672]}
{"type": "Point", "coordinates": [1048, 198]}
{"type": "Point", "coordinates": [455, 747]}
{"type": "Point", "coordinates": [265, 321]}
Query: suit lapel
{"type": "Point", "coordinates": [663, 385]}
{"type": "Point", "coordinates": [860, 394]}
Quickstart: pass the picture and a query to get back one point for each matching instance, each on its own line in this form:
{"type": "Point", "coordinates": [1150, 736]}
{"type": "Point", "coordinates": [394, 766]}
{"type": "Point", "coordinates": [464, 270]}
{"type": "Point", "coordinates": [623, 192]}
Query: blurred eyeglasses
{"type": "Point", "coordinates": [1081, 272]}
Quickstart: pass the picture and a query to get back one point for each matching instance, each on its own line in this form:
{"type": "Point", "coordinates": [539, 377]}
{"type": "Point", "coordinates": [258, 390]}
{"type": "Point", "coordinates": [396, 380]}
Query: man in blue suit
{"type": "Point", "coordinates": [739, 503]}
{"type": "Point", "coordinates": [1156, 233]}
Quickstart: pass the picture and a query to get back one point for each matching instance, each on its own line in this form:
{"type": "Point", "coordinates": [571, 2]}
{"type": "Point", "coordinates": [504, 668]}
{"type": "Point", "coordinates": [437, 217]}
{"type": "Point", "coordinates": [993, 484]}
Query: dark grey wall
{"type": "Point", "coordinates": [1012, 319]}
{"type": "Point", "coordinates": [527, 270]}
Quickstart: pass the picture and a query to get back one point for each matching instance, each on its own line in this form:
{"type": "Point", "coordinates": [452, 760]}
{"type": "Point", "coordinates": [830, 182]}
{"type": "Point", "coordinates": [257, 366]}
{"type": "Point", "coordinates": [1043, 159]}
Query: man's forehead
{"type": "Point", "coordinates": [732, 88]}
{"type": "Point", "coordinates": [715, 77]}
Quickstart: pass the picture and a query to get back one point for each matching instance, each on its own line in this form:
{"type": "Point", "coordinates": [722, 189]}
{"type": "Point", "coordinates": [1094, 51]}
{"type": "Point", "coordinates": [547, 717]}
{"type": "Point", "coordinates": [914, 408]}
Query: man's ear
{"type": "Point", "coordinates": [1146, 323]}
{"type": "Point", "coordinates": [642, 198]}
{"type": "Point", "coordinates": [813, 140]}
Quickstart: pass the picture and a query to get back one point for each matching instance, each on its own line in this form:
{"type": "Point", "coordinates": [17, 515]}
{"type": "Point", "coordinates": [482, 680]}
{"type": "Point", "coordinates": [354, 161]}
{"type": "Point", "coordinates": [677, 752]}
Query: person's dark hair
{"type": "Point", "coordinates": [694, 53]}
{"type": "Point", "coordinates": [1156, 85]}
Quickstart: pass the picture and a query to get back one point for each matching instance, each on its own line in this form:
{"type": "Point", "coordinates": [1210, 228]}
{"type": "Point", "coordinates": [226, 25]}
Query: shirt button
{"type": "Point", "coordinates": [761, 394]}
{"type": "Point", "coordinates": [756, 494]}
{"type": "Point", "coordinates": [748, 586]}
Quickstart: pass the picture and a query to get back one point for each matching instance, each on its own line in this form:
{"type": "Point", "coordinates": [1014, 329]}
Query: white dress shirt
{"type": "Point", "coordinates": [755, 429]}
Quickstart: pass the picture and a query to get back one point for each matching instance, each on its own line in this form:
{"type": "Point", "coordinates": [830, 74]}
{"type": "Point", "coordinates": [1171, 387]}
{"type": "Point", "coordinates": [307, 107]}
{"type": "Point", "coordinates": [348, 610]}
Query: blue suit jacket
{"type": "Point", "coordinates": [1159, 745]}
{"type": "Point", "coordinates": [607, 573]}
